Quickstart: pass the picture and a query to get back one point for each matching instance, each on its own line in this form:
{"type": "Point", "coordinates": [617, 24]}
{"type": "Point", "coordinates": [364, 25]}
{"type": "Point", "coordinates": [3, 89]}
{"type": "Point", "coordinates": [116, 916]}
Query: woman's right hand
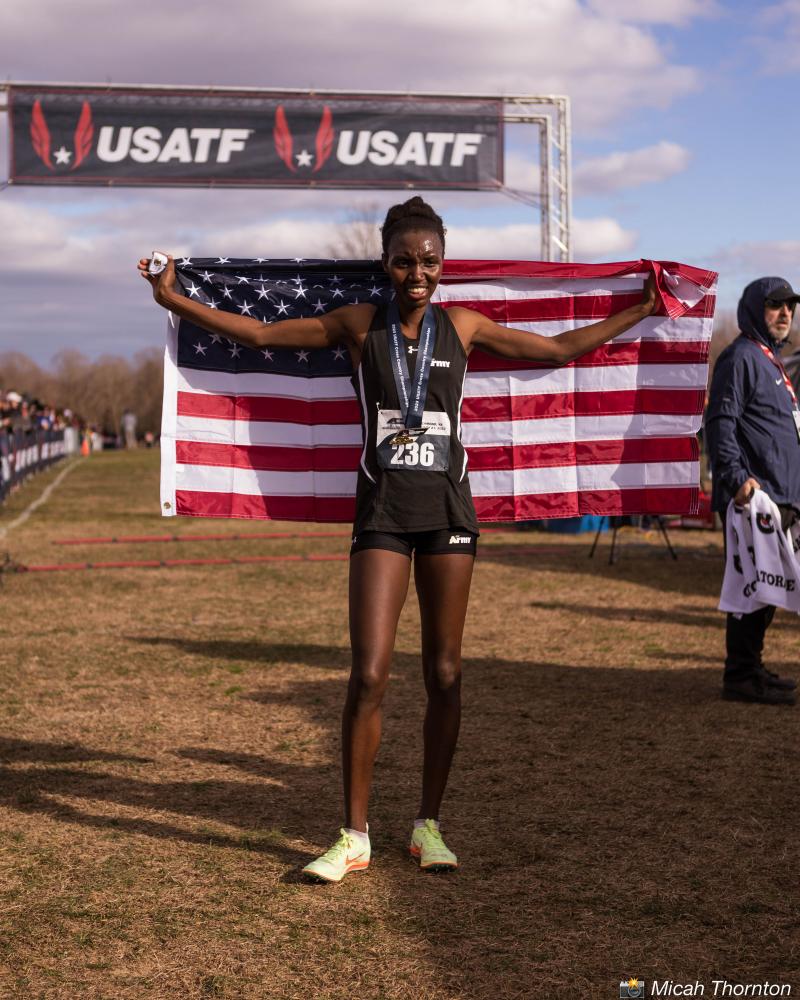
{"type": "Point", "coordinates": [163, 284]}
{"type": "Point", "coordinates": [649, 295]}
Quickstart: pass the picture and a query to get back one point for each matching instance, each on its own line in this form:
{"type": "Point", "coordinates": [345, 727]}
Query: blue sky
{"type": "Point", "coordinates": [684, 143]}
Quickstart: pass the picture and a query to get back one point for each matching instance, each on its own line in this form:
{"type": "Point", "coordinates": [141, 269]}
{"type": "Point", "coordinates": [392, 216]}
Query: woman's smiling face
{"type": "Point", "coordinates": [414, 265]}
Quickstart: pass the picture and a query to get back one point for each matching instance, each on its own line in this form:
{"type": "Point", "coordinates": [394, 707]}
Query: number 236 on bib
{"type": "Point", "coordinates": [425, 448]}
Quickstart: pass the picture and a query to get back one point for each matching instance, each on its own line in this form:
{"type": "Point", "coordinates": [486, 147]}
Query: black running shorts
{"type": "Point", "coordinates": [424, 543]}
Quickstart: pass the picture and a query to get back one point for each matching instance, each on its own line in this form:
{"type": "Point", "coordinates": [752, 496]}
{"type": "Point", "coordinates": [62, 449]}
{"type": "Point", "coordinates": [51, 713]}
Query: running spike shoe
{"type": "Point", "coordinates": [348, 854]}
{"type": "Point", "coordinates": [430, 850]}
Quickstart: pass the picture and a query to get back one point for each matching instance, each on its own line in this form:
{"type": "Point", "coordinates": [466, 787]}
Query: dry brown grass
{"type": "Point", "coordinates": [169, 761]}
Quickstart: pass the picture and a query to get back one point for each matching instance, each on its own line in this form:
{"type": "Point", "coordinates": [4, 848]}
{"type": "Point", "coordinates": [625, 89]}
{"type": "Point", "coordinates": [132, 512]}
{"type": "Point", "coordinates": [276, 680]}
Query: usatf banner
{"type": "Point", "coordinates": [130, 136]}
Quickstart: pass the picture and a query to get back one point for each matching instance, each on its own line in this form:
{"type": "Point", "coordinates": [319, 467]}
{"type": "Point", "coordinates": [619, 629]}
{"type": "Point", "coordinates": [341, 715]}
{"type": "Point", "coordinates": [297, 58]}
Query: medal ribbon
{"type": "Point", "coordinates": [777, 362]}
{"type": "Point", "coordinates": [411, 397]}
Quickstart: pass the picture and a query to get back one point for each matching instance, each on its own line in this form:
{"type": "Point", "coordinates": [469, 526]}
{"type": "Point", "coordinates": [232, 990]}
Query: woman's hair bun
{"type": "Point", "coordinates": [412, 214]}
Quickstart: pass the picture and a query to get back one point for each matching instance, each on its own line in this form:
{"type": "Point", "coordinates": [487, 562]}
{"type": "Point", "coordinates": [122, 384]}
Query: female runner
{"type": "Point", "coordinates": [413, 495]}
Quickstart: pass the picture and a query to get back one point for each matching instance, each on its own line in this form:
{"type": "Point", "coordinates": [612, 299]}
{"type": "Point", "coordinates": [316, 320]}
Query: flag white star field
{"type": "Point", "coordinates": [276, 433]}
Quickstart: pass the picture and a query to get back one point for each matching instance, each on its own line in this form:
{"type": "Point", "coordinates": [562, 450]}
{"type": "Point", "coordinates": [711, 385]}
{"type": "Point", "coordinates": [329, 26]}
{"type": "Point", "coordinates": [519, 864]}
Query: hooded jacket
{"type": "Point", "coordinates": [749, 424]}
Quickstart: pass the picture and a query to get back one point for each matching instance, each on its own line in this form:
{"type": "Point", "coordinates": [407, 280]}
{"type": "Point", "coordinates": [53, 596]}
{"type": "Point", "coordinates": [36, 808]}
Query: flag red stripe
{"type": "Point", "coordinates": [240, 456]}
{"type": "Point", "coordinates": [642, 352]}
{"type": "Point", "coordinates": [562, 453]}
{"type": "Point", "coordinates": [477, 270]}
{"type": "Point", "coordinates": [584, 404]}
{"type": "Point", "coordinates": [531, 456]}
{"type": "Point", "coordinates": [565, 307]}
{"type": "Point", "coordinates": [282, 409]}
{"type": "Point", "coordinates": [656, 500]}
{"type": "Point", "coordinates": [528, 507]}
{"type": "Point", "coordinates": [323, 509]}
{"type": "Point", "coordinates": [475, 408]}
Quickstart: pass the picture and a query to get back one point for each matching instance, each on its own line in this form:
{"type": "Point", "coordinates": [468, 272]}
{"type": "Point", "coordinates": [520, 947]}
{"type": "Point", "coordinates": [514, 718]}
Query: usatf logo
{"type": "Point", "coordinates": [284, 142]}
{"type": "Point", "coordinates": [42, 140]}
{"type": "Point", "coordinates": [381, 148]}
{"type": "Point", "coordinates": [142, 144]}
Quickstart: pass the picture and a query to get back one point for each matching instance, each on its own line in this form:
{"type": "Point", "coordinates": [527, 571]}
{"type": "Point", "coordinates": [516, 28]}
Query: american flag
{"type": "Point", "coordinates": [277, 434]}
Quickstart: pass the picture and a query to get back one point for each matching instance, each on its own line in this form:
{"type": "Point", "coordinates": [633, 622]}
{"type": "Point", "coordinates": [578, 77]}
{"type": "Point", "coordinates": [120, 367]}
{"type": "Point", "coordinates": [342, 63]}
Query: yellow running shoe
{"type": "Point", "coordinates": [429, 848]}
{"type": "Point", "coordinates": [348, 854]}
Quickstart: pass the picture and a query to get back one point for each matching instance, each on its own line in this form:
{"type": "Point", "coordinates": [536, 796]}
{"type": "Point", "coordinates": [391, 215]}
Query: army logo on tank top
{"type": "Point", "coordinates": [425, 448]}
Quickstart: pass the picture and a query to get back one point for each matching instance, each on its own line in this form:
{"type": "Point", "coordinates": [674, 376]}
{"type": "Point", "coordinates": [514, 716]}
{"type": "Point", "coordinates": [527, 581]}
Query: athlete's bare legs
{"type": "Point", "coordinates": [443, 583]}
{"type": "Point", "coordinates": [378, 589]}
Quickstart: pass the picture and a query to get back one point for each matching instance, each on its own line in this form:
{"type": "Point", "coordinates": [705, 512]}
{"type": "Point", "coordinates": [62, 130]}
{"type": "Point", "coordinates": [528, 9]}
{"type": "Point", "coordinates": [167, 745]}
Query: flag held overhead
{"type": "Point", "coordinates": [276, 433]}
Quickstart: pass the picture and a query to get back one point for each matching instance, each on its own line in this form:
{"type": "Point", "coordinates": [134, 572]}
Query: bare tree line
{"type": "Point", "coordinates": [97, 392]}
{"type": "Point", "coordinates": [359, 237]}
{"type": "Point", "coordinates": [725, 330]}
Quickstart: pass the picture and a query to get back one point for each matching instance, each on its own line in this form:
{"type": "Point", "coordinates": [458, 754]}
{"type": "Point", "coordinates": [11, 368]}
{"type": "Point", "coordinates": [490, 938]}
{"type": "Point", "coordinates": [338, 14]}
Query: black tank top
{"type": "Point", "coordinates": [421, 485]}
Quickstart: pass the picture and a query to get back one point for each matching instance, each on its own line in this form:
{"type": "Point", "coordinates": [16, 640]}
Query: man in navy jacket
{"type": "Point", "coordinates": [753, 436]}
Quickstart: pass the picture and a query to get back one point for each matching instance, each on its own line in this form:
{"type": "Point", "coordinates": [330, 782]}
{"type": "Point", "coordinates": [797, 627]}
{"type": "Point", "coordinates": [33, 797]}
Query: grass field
{"type": "Point", "coordinates": [169, 761]}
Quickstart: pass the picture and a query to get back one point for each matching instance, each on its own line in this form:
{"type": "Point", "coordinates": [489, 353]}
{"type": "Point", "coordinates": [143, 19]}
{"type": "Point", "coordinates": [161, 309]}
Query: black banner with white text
{"type": "Point", "coordinates": [75, 136]}
{"type": "Point", "coordinates": [22, 453]}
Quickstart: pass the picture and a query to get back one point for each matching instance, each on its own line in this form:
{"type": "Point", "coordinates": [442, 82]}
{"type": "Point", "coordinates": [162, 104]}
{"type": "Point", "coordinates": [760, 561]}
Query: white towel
{"type": "Point", "coordinates": [761, 566]}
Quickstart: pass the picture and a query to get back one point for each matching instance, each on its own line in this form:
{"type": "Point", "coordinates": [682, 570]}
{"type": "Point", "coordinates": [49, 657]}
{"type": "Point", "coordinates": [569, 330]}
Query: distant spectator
{"type": "Point", "coordinates": [28, 428]}
{"type": "Point", "coordinates": [10, 409]}
{"type": "Point", "coordinates": [23, 420]}
{"type": "Point", "coordinates": [129, 428]}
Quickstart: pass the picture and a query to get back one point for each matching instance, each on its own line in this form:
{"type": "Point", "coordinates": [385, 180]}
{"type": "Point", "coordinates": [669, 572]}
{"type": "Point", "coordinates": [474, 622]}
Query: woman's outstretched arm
{"type": "Point", "coordinates": [476, 330]}
{"type": "Point", "coordinates": [336, 327]}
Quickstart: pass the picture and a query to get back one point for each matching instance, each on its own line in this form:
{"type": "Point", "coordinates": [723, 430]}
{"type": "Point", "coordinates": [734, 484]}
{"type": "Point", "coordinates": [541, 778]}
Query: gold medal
{"type": "Point", "coordinates": [402, 438]}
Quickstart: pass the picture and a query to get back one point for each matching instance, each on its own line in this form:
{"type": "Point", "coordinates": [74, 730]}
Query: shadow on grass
{"type": "Point", "coordinates": [17, 751]}
{"type": "Point", "coordinates": [333, 657]}
{"type": "Point", "coordinates": [631, 805]}
{"type": "Point", "coordinates": [288, 794]}
{"type": "Point", "coordinates": [696, 571]}
{"type": "Point", "coordinates": [539, 675]}
{"type": "Point", "coordinates": [262, 805]}
{"type": "Point", "coordinates": [636, 810]}
{"type": "Point", "coordinates": [336, 658]}
{"type": "Point", "coordinates": [670, 616]}
{"type": "Point", "coordinates": [674, 615]}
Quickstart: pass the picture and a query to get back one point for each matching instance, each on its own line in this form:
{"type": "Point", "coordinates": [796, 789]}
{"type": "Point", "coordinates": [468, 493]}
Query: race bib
{"type": "Point", "coordinates": [428, 449]}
